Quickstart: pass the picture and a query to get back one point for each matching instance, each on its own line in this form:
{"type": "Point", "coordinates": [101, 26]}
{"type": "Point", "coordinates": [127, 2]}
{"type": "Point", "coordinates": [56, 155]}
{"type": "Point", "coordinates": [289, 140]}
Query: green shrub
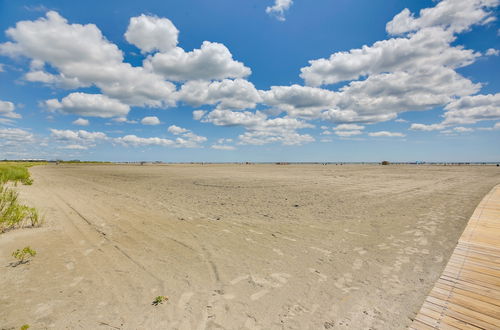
{"type": "Point", "coordinates": [159, 300]}
{"type": "Point", "coordinates": [12, 213]}
{"type": "Point", "coordinates": [15, 172]}
{"type": "Point", "coordinates": [23, 256]}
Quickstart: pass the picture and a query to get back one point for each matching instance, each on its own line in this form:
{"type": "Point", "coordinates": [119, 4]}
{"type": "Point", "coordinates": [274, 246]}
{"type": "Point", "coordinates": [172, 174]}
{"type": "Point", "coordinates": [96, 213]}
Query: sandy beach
{"type": "Point", "coordinates": [235, 246]}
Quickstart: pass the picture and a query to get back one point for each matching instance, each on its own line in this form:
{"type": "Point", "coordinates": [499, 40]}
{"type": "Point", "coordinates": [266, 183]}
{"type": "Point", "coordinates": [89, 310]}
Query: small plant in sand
{"type": "Point", "coordinates": [159, 300]}
{"type": "Point", "coordinates": [13, 214]}
{"type": "Point", "coordinates": [25, 327]}
{"type": "Point", "coordinates": [23, 256]}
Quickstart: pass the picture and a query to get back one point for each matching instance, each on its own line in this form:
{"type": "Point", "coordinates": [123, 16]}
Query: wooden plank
{"type": "Point", "coordinates": [488, 292]}
{"type": "Point", "coordinates": [464, 314]}
{"type": "Point", "coordinates": [467, 294]}
{"type": "Point", "coordinates": [475, 268]}
{"type": "Point", "coordinates": [470, 280]}
{"type": "Point", "coordinates": [417, 325]}
{"type": "Point", "coordinates": [466, 302]}
{"type": "Point", "coordinates": [456, 258]}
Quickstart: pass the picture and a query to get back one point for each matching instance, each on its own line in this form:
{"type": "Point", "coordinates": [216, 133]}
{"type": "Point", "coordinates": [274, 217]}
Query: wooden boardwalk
{"type": "Point", "coordinates": [467, 295]}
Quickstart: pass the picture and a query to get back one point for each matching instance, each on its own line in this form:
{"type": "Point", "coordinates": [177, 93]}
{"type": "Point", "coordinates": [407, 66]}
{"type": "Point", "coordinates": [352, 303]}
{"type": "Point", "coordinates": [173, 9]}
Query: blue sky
{"type": "Point", "coordinates": [268, 80]}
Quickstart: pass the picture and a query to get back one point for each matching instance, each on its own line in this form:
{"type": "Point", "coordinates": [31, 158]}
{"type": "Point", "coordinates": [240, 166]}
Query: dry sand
{"type": "Point", "coordinates": [235, 246]}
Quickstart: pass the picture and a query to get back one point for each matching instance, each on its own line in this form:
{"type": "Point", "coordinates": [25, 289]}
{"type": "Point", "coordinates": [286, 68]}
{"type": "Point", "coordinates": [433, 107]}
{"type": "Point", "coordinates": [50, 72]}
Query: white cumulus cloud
{"type": "Point", "coordinates": [213, 61]}
{"type": "Point", "coordinates": [92, 105]}
{"type": "Point", "coordinates": [455, 15]}
{"type": "Point", "coordinates": [150, 120]}
{"type": "Point", "coordinates": [81, 122]}
{"type": "Point", "coordinates": [279, 8]}
{"type": "Point", "coordinates": [151, 33]}
{"type": "Point", "coordinates": [7, 110]}
{"type": "Point", "coordinates": [386, 134]}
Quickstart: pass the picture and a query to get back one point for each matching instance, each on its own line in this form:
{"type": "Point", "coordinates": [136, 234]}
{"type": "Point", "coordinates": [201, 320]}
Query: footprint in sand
{"type": "Point", "coordinates": [438, 258]}
{"type": "Point", "coordinates": [274, 281]}
{"type": "Point", "coordinates": [251, 324]}
{"type": "Point", "coordinates": [183, 301]}
{"type": "Point", "coordinates": [358, 263]}
{"type": "Point", "coordinates": [281, 277]}
{"type": "Point", "coordinates": [421, 240]}
{"type": "Point", "coordinates": [278, 252]}
{"type": "Point", "coordinates": [322, 277]}
{"type": "Point", "coordinates": [259, 294]}
{"type": "Point", "coordinates": [344, 283]}
{"type": "Point", "coordinates": [239, 279]}
{"type": "Point", "coordinates": [255, 232]}
{"type": "Point", "coordinates": [325, 252]}
{"type": "Point", "coordinates": [360, 250]}
{"type": "Point", "coordinates": [76, 280]}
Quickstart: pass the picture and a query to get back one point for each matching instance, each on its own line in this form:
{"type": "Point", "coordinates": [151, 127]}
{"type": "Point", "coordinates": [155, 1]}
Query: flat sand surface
{"type": "Point", "coordinates": [235, 246]}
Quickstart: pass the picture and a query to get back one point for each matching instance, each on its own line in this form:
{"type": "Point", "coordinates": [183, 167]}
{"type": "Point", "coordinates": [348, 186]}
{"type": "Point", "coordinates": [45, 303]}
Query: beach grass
{"type": "Point", "coordinates": [13, 214]}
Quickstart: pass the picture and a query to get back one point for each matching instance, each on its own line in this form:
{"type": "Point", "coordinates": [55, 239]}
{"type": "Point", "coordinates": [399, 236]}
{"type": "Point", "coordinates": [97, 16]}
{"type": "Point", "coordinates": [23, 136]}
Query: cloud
{"type": "Point", "coordinates": [386, 134]}
{"type": "Point", "coordinates": [92, 61]}
{"type": "Point", "coordinates": [471, 109]}
{"type": "Point", "coordinates": [80, 136]}
{"type": "Point", "coordinates": [427, 128]}
{"type": "Point", "coordinates": [466, 110]}
{"type": "Point", "coordinates": [150, 33]}
{"type": "Point", "coordinates": [151, 120]}
{"type": "Point", "coordinates": [232, 118]}
{"type": "Point", "coordinates": [176, 130]}
{"type": "Point", "coordinates": [228, 94]}
{"type": "Point", "coordinates": [198, 114]}
{"type": "Point", "coordinates": [260, 129]}
{"type": "Point", "coordinates": [135, 141]}
{"type": "Point", "coordinates": [381, 97]}
{"type": "Point", "coordinates": [348, 133]}
{"type": "Point", "coordinates": [348, 127]}
{"type": "Point", "coordinates": [461, 129]}
{"type": "Point", "coordinates": [492, 52]}
{"type": "Point", "coordinates": [279, 8]}
{"type": "Point", "coordinates": [7, 110]}
{"type": "Point", "coordinates": [299, 101]}
{"type": "Point", "coordinates": [74, 147]}
{"type": "Point", "coordinates": [429, 47]}
{"type": "Point", "coordinates": [37, 8]}
{"type": "Point", "coordinates": [493, 128]}
{"type": "Point", "coordinates": [454, 15]}
{"type": "Point", "coordinates": [284, 137]}
{"type": "Point", "coordinates": [81, 122]}
{"type": "Point", "coordinates": [52, 79]}
{"type": "Point", "coordinates": [92, 105]}
{"type": "Point", "coordinates": [222, 147]}
{"type": "Point", "coordinates": [188, 140]}
{"type": "Point", "coordinates": [13, 137]}
{"type": "Point", "coordinates": [124, 120]}
{"type": "Point", "coordinates": [213, 61]}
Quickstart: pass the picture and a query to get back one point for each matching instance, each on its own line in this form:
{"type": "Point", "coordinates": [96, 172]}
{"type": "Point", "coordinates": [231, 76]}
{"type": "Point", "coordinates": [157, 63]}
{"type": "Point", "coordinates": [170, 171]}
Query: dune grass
{"type": "Point", "coordinates": [15, 173]}
{"type": "Point", "coordinates": [13, 214]}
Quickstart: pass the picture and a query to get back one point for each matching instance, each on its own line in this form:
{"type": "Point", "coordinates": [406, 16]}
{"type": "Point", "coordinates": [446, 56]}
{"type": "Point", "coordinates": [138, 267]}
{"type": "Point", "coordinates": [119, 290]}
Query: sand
{"type": "Point", "coordinates": [235, 246]}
